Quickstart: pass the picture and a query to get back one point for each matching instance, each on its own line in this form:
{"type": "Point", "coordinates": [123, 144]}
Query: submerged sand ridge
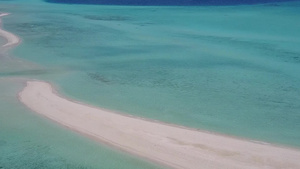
{"type": "Point", "coordinates": [11, 39]}
{"type": "Point", "coordinates": [170, 145]}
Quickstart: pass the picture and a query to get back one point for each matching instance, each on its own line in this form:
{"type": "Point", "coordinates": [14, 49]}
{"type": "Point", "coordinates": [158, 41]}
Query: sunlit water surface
{"type": "Point", "coordinates": [227, 69]}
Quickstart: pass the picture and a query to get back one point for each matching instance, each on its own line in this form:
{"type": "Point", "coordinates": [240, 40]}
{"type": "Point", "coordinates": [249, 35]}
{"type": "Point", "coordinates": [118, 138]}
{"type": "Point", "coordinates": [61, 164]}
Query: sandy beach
{"type": "Point", "coordinates": [171, 145]}
{"type": "Point", "coordinates": [11, 39]}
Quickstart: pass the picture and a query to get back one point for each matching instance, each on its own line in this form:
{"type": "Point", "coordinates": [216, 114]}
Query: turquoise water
{"type": "Point", "coordinates": [233, 69]}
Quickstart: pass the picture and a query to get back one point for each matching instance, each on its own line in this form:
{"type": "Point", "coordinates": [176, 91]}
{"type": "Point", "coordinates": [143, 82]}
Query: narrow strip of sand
{"type": "Point", "coordinates": [11, 39]}
{"type": "Point", "coordinates": [171, 145]}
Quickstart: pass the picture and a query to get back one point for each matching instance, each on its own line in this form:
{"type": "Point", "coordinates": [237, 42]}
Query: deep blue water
{"type": "Point", "coordinates": [167, 2]}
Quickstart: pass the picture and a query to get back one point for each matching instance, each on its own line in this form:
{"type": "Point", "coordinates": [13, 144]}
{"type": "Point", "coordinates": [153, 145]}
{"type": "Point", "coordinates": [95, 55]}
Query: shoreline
{"type": "Point", "coordinates": [170, 145]}
{"type": "Point", "coordinates": [12, 40]}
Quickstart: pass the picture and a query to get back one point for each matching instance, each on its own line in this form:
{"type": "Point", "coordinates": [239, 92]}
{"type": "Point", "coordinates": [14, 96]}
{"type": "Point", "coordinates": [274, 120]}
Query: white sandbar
{"type": "Point", "coordinates": [170, 145]}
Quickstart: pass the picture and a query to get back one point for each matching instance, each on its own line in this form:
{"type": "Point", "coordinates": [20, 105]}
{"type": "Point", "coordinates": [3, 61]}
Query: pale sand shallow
{"type": "Point", "coordinates": [11, 39]}
{"type": "Point", "coordinates": [171, 145]}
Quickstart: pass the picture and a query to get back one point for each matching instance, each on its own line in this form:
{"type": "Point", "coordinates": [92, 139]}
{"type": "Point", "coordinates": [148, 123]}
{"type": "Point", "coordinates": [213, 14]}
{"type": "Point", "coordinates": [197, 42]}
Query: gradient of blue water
{"type": "Point", "coordinates": [232, 69]}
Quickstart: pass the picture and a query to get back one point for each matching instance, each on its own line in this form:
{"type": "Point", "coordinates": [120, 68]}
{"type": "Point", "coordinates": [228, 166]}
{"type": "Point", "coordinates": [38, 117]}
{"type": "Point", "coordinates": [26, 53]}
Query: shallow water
{"type": "Point", "coordinates": [232, 69]}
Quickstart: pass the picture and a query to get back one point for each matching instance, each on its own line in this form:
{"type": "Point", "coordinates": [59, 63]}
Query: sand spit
{"type": "Point", "coordinates": [170, 145]}
{"type": "Point", "coordinates": [12, 40]}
